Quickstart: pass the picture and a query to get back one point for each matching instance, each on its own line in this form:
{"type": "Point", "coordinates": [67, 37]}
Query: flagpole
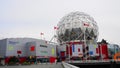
{"type": "Point", "coordinates": [85, 44]}
{"type": "Point", "coordinates": [54, 33]}
{"type": "Point", "coordinates": [85, 25]}
{"type": "Point", "coordinates": [42, 35]}
{"type": "Point", "coordinates": [55, 28]}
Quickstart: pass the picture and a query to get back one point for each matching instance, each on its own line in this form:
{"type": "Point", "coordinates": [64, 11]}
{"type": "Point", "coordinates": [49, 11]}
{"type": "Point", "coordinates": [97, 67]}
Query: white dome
{"type": "Point", "coordinates": [73, 26]}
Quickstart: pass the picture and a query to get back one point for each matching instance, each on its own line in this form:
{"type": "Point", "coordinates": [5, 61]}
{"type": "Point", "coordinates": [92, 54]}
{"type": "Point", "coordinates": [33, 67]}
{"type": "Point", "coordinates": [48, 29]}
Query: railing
{"type": "Point", "coordinates": [92, 61]}
{"type": "Point", "coordinates": [66, 65]}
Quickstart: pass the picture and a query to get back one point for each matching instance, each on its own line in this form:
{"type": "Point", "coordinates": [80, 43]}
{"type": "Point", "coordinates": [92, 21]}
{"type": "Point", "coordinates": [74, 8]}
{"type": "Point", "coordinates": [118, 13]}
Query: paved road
{"type": "Point", "coordinates": [59, 65]}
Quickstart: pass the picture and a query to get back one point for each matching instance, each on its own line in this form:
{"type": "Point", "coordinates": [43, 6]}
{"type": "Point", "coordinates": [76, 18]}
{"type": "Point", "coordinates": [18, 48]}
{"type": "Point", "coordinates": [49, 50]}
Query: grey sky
{"type": "Point", "coordinates": [27, 18]}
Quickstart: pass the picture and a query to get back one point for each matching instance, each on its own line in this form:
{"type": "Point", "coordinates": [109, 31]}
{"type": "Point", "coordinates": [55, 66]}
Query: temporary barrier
{"type": "Point", "coordinates": [117, 57]}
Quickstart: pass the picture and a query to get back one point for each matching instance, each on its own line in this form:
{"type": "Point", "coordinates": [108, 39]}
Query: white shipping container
{"type": "Point", "coordinates": [41, 49]}
{"type": "Point", "coordinates": [77, 50]}
{"type": "Point", "coordinates": [93, 50]}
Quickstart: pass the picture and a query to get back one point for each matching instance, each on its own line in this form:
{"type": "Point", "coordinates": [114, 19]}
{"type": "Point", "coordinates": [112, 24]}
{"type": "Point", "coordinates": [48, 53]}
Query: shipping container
{"type": "Point", "coordinates": [103, 51]}
{"type": "Point", "coordinates": [41, 49]}
{"type": "Point", "coordinates": [70, 50]}
{"type": "Point", "coordinates": [77, 50]}
{"type": "Point", "coordinates": [93, 50]}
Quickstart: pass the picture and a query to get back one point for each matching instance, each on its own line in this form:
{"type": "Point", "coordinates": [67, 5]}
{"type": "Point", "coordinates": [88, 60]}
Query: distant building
{"type": "Point", "coordinates": [113, 49]}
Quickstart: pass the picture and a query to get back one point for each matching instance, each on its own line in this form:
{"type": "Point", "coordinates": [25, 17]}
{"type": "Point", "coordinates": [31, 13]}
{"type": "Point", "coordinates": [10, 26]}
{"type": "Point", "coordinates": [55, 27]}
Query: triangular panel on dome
{"type": "Point", "coordinates": [78, 33]}
{"type": "Point", "coordinates": [61, 37]}
{"type": "Point", "coordinates": [95, 32]}
{"type": "Point", "coordinates": [81, 34]}
{"type": "Point", "coordinates": [87, 34]}
{"type": "Point", "coordinates": [92, 34]}
{"type": "Point", "coordinates": [89, 30]}
{"type": "Point", "coordinates": [67, 25]}
{"type": "Point", "coordinates": [67, 34]}
{"type": "Point", "coordinates": [72, 34]}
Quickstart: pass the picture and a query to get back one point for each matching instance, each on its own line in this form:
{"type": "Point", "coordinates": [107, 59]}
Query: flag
{"type": "Point", "coordinates": [41, 33]}
{"type": "Point", "coordinates": [55, 28]}
{"type": "Point", "coordinates": [86, 24]}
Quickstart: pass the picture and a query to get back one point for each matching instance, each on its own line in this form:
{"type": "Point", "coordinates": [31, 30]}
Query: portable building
{"type": "Point", "coordinates": [18, 46]}
{"type": "Point", "coordinates": [41, 49]}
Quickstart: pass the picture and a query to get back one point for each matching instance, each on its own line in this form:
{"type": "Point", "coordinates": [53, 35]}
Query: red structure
{"type": "Point", "coordinates": [103, 51]}
{"type": "Point", "coordinates": [52, 59]}
{"type": "Point", "coordinates": [62, 54]}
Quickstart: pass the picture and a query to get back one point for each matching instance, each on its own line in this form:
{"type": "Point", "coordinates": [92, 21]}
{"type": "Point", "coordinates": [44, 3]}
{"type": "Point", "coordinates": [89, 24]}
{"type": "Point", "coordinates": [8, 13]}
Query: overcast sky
{"type": "Point", "coordinates": [28, 18]}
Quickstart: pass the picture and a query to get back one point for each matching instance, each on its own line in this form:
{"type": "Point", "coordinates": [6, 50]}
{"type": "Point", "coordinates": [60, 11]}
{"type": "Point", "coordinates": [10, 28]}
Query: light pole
{"type": "Point", "coordinates": [85, 45]}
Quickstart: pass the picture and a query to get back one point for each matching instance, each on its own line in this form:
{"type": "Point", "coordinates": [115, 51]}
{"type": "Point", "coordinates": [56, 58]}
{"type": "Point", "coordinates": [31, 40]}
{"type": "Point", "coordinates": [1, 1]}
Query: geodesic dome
{"type": "Point", "coordinates": [76, 25]}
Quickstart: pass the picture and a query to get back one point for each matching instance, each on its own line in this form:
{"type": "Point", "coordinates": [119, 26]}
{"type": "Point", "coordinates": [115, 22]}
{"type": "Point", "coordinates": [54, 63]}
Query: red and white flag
{"type": "Point", "coordinates": [41, 33]}
{"type": "Point", "coordinates": [55, 28]}
{"type": "Point", "coordinates": [86, 24]}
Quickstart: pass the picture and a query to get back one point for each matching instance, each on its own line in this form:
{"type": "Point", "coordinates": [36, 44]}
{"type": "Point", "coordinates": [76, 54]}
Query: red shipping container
{"type": "Point", "coordinates": [103, 51]}
{"type": "Point", "coordinates": [52, 59]}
